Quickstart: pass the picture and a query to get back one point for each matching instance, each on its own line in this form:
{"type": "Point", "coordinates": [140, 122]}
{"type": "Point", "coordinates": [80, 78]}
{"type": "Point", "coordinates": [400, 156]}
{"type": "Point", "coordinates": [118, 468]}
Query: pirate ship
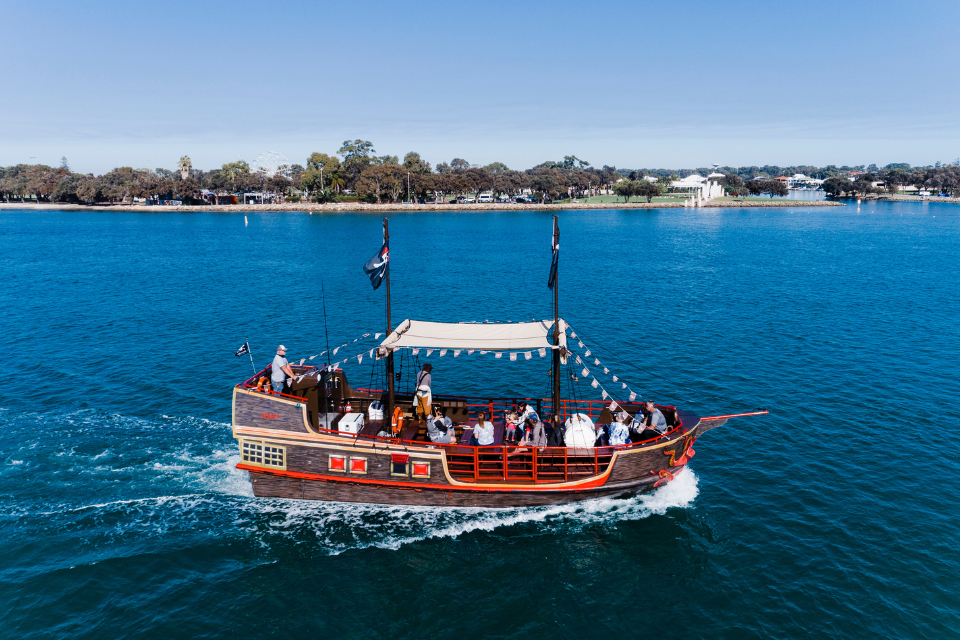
{"type": "Point", "coordinates": [323, 439]}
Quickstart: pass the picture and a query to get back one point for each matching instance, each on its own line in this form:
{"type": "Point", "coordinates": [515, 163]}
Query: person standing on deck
{"type": "Point", "coordinates": [280, 370]}
{"type": "Point", "coordinates": [424, 396]}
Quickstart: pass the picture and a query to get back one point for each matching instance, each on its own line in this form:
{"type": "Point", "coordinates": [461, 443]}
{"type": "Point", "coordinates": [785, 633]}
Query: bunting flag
{"type": "Point", "coordinates": [604, 394]}
{"type": "Point", "coordinates": [443, 352]}
{"type": "Point", "coordinates": [579, 361]}
{"type": "Point", "coordinates": [542, 351]}
{"type": "Point", "coordinates": [580, 344]}
{"type": "Point", "coordinates": [377, 336]}
{"type": "Point", "coordinates": [335, 351]}
{"type": "Point", "coordinates": [311, 357]}
{"type": "Point", "coordinates": [244, 349]}
{"type": "Point", "coordinates": [623, 385]}
{"type": "Point", "coordinates": [596, 361]}
{"type": "Point", "coordinates": [359, 358]}
{"type": "Point", "coordinates": [633, 396]}
{"type": "Point", "coordinates": [594, 384]}
{"type": "Point", "coordinates": [499, 354]}
{"type": "Point", "coordinates": [371, 353]}
{"type": "Point", "coordinates": [586, 354]}
{"type": "Point", "coordinates": [585, 372]}
{"type": "Point", "coordinates": [483, 353]}
{"type": "Point", "coordinates": [456, 352]}
{"type": "Point", "coordinates": [302, 361]}
{"type": "Point", "coordinates": [607, 371]}
{"type": "Point", "coordinates": [616, 379]}
{"type": "Point", "coordinates": [513, 356]}
{"type": "Point", "coordinates": [470, 352]}
{"type": "Point", "coordinates": [378, 266]}
{"type": "Point", "coordinates": [429, 351]}
{"type": "Point", "coordinates": [613, 405]}
{"type": "Point", "coordinates": [335, 365]}
{"type": "Point", "coordinates": [528, 355]}
{"type": "Point", "coordinates": [573, 335]}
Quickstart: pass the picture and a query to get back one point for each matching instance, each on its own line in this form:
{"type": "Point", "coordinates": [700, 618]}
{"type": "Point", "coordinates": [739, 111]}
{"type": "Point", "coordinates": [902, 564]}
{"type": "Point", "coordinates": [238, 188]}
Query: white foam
{"type": "Point", "coordinates": [339, 527]}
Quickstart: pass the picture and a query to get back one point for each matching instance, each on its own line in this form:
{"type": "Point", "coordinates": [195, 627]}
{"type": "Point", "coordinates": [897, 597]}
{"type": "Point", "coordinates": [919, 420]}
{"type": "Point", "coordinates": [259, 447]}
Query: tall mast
{"type": "Point", "coordinates": [388, 415]}
{"type": "Point", "coordinates": [556, 330]}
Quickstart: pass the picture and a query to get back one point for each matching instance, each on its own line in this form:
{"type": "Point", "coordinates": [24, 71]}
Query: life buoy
{"type": "Point", "coordinates": [395, 420]}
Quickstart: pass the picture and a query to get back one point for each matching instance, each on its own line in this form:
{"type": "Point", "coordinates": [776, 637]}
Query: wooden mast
{"type": "Point", "coordinates": [388, 414]}
{"type": "Point", "coordinates": [556, 330]}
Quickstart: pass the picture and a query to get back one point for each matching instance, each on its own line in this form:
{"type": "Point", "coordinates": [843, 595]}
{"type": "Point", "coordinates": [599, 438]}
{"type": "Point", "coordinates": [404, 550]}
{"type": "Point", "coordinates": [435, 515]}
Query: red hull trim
{"type": "Point", "coordinates": [593, 484]}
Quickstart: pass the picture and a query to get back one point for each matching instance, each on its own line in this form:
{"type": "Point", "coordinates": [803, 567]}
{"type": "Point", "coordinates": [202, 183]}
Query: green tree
{"type": "Point", "coordinates": [459, 164]}
{"type": "Point", "coordinates": [357, 156]}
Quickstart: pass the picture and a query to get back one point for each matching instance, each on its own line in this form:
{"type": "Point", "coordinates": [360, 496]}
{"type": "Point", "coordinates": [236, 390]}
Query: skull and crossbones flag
{"type": "Point", "coordinates": [244, 350]}
{"type": "Point", "coordinates": [377, 266]}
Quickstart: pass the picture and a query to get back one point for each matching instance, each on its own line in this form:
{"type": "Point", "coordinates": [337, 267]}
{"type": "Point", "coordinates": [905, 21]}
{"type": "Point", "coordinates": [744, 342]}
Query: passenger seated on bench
{"type": "Point", "coordinates": [654, 424]}
{"type": "Point", "coordinates": [602, 432]}
{"type": "Point", "coordinates": [512, 422]}
{"type": "Point", "coordinates": [483, 432]}
{"type": "Point", "coordinates": [619, 433]}
{"type": "Point", "coordinates": [440, 428]}
{"type": "Point", "coordinates": [534, 435]}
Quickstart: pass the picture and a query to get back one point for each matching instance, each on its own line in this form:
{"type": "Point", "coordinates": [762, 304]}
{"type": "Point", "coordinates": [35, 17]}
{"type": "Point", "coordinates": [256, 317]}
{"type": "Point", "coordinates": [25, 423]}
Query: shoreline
{"type": "Point", "coordinates": [357, 206]}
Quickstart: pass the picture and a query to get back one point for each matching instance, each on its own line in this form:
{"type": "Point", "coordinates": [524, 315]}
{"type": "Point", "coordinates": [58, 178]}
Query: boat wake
{"type": "Point", "coordinates": [111, 495]}
{"type": "Point", "coordinates": [339, 527]}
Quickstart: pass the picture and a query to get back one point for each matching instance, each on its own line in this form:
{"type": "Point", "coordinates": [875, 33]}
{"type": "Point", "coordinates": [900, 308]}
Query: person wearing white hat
{"type": "Point", "coordinates": [281, 370]}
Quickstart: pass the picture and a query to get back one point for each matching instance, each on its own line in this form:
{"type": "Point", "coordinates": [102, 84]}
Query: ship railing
{"type": "Point", "coordinates": [526, 464]}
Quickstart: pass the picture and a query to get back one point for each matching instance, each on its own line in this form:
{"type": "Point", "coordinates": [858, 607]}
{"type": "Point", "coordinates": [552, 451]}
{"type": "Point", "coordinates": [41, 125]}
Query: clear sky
{"type": "Point", "coordinates": [635, 84]}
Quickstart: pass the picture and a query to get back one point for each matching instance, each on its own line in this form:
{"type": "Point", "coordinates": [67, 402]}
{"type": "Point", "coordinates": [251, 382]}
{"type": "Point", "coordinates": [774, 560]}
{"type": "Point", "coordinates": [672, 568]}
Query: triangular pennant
{"type": "Point", "coordinates": [302, 361]}
{"type": "Point", "coordinates": [429, 351]}
{"type": "Point", "coordinates": [605, 370]}
{"type": "Point", "coordinates": [513, 356]}
{"type": "Point", "coordinates": [376, 336]}
{"type": "Point", "coordinates": [633, 396]}
{"type": "Point", "coordinates": [371, 353]}
{"type": "Point", "coordinates": [623, 385]}
{"type": "Point", "coordinates": [336, 365]}
{"type": "Point", "coordinates": [367, 335]}
{"type": "Point", "coordinates": [443, 352]}
{"type": "Point", "coordinates": [359, 358]}
{"type": "Point", "coordinates": [585, 372]}
{"type": "Point", "coordinates": [580, 343]}
{"type": "Point", "coordinates": [469, 352]}
{"type": "Point", "coordinates": [573, 335]}
{"type": "Point", "coordinates": [613, 405]}
{"type": "Point", "coordinates": [335, 351]}
{"type": "Point", "coordinates": [311, 357]}
{"type": "Point", "coordinates": [483, 353]}
{"type": "Point", "coordinates": [499, 355]}
{"type": "Point", "coordinates": [596, 361]}
{"type": "Point", "coordinates": [594, 384]}
{"type": "Point", "coordinates": [586, 353]}
{"type": "Point", "coordinates": [456, 352]}
{"type": "Point", "coordinates": [616, 379]}
{"type": "Point", "coordinates": [542, 352]}
{"type": "Point", "coordinates": [604, 394]}
{"type": "Point", "coordinates": [528, 355]}
{"type": "Point", "coordinates": [579, 361]}
{"type": "Point", "coordinates": [416, 351]}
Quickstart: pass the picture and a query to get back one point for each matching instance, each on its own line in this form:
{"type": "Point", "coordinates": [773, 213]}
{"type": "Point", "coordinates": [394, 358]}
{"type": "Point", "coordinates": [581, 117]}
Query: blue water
{"type": "Point", "coordinates": [122, 515]}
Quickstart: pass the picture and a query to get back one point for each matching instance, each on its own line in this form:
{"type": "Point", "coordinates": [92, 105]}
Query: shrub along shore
{"type": "Point", "coordinates": [359, 206]}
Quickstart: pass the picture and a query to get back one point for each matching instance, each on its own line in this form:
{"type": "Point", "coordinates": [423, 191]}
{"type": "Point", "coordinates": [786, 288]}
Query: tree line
{"type": "Point", "coordinates": [356, 169]}
{"type": "Point", "coordinates": [938, 179]}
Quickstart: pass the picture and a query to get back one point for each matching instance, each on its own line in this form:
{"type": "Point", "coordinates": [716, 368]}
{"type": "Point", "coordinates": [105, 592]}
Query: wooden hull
{"type": "Point", "coordinates": [317, 464]}
{"type": "Point", "coordinates": [269, 485]}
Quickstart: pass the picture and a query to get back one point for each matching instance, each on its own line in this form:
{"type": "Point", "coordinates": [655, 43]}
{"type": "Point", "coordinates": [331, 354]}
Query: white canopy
{"type": "Point", "coordinates": [520, 336]}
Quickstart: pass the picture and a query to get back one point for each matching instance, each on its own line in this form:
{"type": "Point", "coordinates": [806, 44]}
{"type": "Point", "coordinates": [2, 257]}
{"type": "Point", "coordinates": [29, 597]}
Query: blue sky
{"type": "Point", "coordinates": [632, 84]}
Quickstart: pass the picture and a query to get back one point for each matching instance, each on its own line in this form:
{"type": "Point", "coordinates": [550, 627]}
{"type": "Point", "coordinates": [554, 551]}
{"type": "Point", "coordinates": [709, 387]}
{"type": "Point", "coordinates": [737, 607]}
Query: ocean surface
{"type": "Point", "coordinates": [122, 515]}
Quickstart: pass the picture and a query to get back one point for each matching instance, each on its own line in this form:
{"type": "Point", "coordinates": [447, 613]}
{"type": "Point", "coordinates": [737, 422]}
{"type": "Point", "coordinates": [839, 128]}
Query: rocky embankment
{"type": "Point", "coordinates": [376, 208]}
